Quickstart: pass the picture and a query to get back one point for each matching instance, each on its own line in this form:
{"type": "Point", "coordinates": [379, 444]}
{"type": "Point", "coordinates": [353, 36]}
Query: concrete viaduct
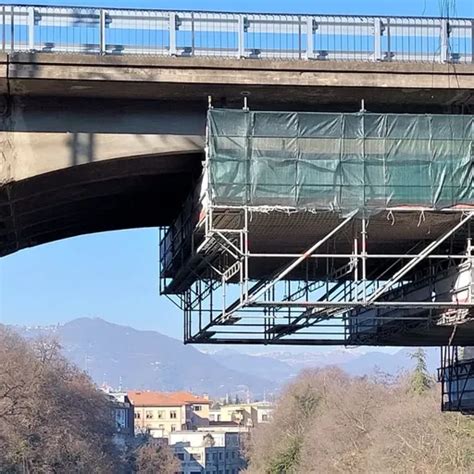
{"type": "Point", "coordinates": [101, 142]}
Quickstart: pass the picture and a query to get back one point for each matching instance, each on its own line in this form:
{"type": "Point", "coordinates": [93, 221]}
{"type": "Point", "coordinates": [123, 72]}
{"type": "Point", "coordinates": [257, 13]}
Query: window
{"type": "Point", "coordinates": [173, 428]}
{"type": "Point", "coordinates": [180, 456]}
{"type": "Point", "coordinates": [197, 407]}
{"type": "Point", "coordinates": [137, 415]}
{"type": "Point", "coordinates": [160, 414]}
{"type": "Point", "coordinates": [173, 414]}
{"type": "Point", "coordinates": [149, 415]}
{"type": "Point", "coordinates": [264, 417]}
{"type": "Point", "coordinates": [195, 457]}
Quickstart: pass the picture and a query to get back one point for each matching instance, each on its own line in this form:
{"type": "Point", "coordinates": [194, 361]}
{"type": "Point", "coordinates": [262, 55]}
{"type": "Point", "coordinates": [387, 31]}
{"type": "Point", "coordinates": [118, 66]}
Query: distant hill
{"type": "Point", "coordinates": [120, 356]}
{"type": "Point", "coordinates": [266, 367]}
{"type": "Point", "coordinates": [283, 365]}
{"type": "Point", "coordinates": [371, 362]}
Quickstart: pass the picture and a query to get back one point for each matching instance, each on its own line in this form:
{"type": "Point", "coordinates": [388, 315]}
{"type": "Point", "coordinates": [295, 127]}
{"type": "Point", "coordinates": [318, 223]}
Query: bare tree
{"type": "Point", "coordinates": [329, 422]}
{"type": "Point", "coordinates": [52, 418]}
{"type": "Point", "coordinates": [156, 458]}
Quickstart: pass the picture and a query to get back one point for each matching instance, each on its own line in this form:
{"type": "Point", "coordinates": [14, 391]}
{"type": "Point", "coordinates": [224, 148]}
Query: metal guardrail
{"type": "Point", "coordinates": [235, 35]}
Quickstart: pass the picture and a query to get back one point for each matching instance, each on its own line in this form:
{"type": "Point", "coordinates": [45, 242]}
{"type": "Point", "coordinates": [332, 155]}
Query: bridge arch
{"type": "Point", "coordinates": [115, 194]}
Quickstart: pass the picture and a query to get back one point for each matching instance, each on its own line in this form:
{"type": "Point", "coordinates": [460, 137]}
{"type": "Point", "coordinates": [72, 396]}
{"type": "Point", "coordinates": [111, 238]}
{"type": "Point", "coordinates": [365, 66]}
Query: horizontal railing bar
{"type": "Point", "coordinates": [215, 19]}
{"type": "Point", "coordinates": [361, 304]}
{"type": "Point", "coordinates": [323, 15]}
{"type": "Point", "coordinates": [355, 257]}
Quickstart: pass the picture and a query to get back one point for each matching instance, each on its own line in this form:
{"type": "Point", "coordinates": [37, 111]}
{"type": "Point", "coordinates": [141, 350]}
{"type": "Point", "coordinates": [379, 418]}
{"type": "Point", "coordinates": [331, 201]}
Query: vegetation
{"type": "Point", "coordinates": [156, 458]}
{"type": "Point", "coordinates": [327, 421]}
{"type": "Point", "coordinates": [420, 380]}
{"type": "Point", "coordinates": [54, 420]}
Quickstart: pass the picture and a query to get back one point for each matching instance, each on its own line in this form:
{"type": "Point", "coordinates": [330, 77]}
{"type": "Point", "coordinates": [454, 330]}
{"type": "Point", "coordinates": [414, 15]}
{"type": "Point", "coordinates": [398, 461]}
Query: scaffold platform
{"type": "Point", "coordinates": [327, 229]}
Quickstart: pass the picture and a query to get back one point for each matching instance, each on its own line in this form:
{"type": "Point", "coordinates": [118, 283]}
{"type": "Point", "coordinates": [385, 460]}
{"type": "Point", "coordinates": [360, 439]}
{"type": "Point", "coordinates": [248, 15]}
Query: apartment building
{"type": "Point", "coordinates": [264, 412]}
{"type": "Point", "coordinates": [207, 452]}
{"type": "Point", "coordinates": [247, 415]}
{"type": "Point", "coordinates": [160, 413]}
{"type": "Point", "coordinates": [123, 417]}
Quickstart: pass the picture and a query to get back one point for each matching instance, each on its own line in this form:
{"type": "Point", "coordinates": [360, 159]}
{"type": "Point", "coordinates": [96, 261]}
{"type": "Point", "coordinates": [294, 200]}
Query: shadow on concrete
{"type": "Point", "coordinates": [85, 115]}
{"type": "Point", "coordinates": [82, 148]}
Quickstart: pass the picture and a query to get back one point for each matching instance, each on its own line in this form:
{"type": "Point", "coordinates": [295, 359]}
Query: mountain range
{"type": "Point", "coordinates": [120, 356]}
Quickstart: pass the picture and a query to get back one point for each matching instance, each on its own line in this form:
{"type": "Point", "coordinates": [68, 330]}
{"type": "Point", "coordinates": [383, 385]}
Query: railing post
{"type": "Point", "coordinates": [31, 29]}
{"type": "Point", "coordinates": [241, 36]}
{"type": "Point", "coordinates": [309, 39]}
{"type": "Point", "coordinates": [377, 39]}
{"type": "Point", "coordinates": [4, 19]}
{"type": "Point", "coordinates": [102, 39]}
{"type": "Point", "coordinates": [12, 29]}
{"type": "Point", "coordinates": [193, 35]}
{"type": "Point", "coordinates": [472, 41]}
{"type": "Point", "coordinates": [444, 41]}
{"type": "Point", "coordinates": [300, 34]}
{"type": "Point", "coordinates": [172, 27]}
{"type": "Point", "coordinates": [389, 41]}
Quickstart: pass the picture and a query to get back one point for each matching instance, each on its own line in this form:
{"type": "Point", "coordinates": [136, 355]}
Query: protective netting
{"type": "Point", "coordinates": [340, 162]}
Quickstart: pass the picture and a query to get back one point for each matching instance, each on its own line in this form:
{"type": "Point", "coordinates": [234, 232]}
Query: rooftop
{"type": "Point", "coordinates": [172, 399]}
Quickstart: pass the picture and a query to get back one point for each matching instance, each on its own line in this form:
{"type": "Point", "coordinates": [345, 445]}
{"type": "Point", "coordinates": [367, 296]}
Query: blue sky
{"type": "Point", "coordinates": [111, 275]}
{"type": "Point", "coordinates": [115, 275]}
{"type": "Point", "coordinates": [463, 8]}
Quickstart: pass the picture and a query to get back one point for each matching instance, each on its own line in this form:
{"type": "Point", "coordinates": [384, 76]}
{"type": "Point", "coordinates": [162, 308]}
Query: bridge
{"type": "Point", "coordinates": [115, 119]}
{"type": "Point", "coordinates": [104, 110]}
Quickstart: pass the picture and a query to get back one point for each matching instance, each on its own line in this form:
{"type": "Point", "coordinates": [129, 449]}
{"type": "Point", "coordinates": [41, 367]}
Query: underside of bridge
{"type": "Point", "coordinates": [116, 194]}
{"type": "Point", "coordinates": [93, 143]}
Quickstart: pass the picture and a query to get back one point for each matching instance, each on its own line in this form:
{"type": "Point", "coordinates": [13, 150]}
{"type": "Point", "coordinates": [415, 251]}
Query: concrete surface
{"type": "Point", "coordinates": [92, 143]}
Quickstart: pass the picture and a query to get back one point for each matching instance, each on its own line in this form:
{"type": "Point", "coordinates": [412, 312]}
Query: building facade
{"type": "Point", "coordinates": [246, 415]}
{"type": "Point", "coordinates": [123, 416]}
{"type": "Point", "coordinates": [207, 452]}
{"type": "Point", "coordinates": [159, 414]}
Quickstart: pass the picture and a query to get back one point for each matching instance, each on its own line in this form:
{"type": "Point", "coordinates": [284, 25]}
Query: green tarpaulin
{"type": "Point", "coordinates": [342, 162]}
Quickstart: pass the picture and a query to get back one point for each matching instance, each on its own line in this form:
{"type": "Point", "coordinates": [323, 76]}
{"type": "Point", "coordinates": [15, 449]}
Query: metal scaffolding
{"type": "Point", "coordinates": [331, 230]}
{"type": "Point", "coordinates": [257, 258]}
{"type": "Point", "coordinates": [324, 295]}
{"type": "Point", "coordinates": [456, 376]}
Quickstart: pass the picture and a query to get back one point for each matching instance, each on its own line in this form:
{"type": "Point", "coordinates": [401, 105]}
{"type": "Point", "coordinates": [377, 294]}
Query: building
{"type": "Point", "coordinates": [246, 415]}
{"type": "Point", "coordinates": [123, 415]}
{"type": "Point", "coordinates": [159, 413]}
{"type": "Point", "coordinates": [207, 451]}
{"type": "Point", "coordinates": [264, 412]}
{"type": "Point", "coordinates": [224, 427]}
